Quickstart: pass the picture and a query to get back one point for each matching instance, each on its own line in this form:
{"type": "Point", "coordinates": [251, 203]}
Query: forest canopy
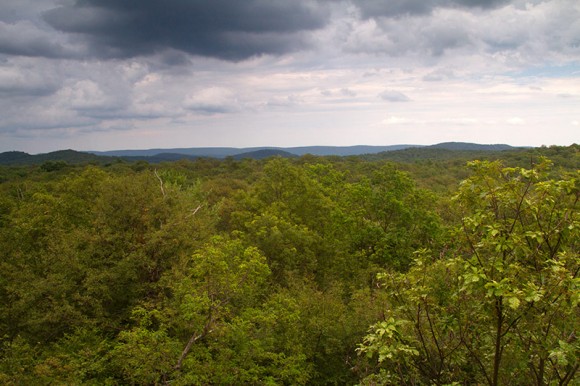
{"type": "Point", "coordinates": [310, 270]}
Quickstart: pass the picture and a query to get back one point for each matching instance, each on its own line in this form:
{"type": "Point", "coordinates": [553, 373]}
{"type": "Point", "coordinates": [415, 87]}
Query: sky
{"type": "Point", "coordinates": [139, 74]}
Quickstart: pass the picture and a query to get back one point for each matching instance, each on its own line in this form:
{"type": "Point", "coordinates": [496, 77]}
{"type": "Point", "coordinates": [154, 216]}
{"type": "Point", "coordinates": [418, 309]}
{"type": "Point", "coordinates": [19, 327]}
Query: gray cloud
{"type": "Point", "coordinates": [21, 82]}
{"type": "Point", "coordinates": [25, 39]}
{"type": "Point", "coordinates": [347, 92]}
{"type": "Point", "coordinates": [423, 35]}
{"type": "Point", "coordinates": [393, 8]}
{"type": "Point", "coordinates": [394, 96]}
{"type": "Point", "coordinates": [439, 37]}
{"type": "Point", "coordinates": [15, 10]}
{"type": "Point", "coordinates": [439, 75]}
{"type": "Point", "coordinates": [224, 29]}
{"type": "Point", "coordinates": [511, 36]}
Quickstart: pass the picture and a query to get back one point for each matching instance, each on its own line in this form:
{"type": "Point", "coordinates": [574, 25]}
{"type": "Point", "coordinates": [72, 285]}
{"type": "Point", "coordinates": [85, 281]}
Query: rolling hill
{"type": "Point", "coordinates": [396, 152]}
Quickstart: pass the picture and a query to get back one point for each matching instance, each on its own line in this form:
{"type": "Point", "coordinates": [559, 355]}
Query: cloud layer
{"type": "Point", "coordinates": [108, 73]}
{"type": "Point", "coordinates": [231, 30]}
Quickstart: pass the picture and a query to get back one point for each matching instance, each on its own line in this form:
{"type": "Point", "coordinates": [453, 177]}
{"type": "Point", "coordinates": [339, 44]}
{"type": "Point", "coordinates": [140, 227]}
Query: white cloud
{"type": "Point", "coordinates": [460, 121]}
{"type": "Point", "coordinates": [84, 94]}
{"type": "Point", "coordinates": [515, 121]}
{"type": "Point", "coordinates": [213, 100]}
{"type": "Point", "coordinates": [18, 81]}
{"type": "Point", "coordinates": [394, 120]}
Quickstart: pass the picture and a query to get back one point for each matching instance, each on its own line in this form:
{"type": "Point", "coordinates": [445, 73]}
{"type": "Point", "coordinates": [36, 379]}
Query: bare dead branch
{"type": "Point", "coordinates": [160, 182]}
{"type": "Point", "coordinates": [193, 212]}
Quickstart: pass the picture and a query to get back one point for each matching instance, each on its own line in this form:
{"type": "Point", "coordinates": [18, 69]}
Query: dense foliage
{"type": "Point", "coordinates": [314, 270]}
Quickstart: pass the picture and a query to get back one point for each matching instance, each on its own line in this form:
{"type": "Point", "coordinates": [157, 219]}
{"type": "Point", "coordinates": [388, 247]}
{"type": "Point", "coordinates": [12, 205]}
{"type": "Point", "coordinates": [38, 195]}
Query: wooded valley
{"type": "Point", "coordinates": [405, 268]}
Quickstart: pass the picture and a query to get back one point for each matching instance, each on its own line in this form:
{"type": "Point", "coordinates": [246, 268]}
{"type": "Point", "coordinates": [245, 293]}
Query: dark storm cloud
{"type": "Point", "coordinates": [225, 29]}
{"type": "Point", "coordinates": [392, 8]}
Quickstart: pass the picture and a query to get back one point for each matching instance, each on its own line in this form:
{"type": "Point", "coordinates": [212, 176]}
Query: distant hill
{"type": "Point", "coordinates": [265, 153]}
{"type": "Point", "coordinates": [161, 157]}
{"type": "Point", "coordinates": [344, 150]}
{"type": "Point", "coordinates": [13, 157]}
{"type": "Point", "coordinates": [393, 152]}
{"type": "Point", "coordinates": [68, 156]}
{"type": "Point", "coordinates": [465, 146]}
{"type": "Point", "coordinates": [210, 152]}
{"type": "Point", "coordinates": [223, 152]}
{"type": "Point", "coordinates": [445, 151]}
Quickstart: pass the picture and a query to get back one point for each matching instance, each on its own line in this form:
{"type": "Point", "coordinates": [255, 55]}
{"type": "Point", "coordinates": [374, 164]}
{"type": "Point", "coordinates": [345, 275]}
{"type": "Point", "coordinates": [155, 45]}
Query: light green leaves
{"type": "Point", "coordinates": [509, 286]}
{"type": "Point", "coordinates": [386, 340]}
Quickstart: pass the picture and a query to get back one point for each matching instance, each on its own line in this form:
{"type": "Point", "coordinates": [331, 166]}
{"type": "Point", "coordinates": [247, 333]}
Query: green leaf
{"type": "Point", "coordinates": [513, 302]}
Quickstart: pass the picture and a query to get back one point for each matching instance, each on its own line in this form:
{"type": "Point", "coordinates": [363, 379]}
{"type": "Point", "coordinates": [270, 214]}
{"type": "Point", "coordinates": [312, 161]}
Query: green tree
{"type": "Point", "coordinates": [501, 305]}
{"type": "Point", "coordinates": [84, 249]}
{"type": "Point", "coordinates": [387, 217]}
{"type": "Point", "coordinates": [288, 215]}
{"type": "Point", "coordinates": [207, 291]}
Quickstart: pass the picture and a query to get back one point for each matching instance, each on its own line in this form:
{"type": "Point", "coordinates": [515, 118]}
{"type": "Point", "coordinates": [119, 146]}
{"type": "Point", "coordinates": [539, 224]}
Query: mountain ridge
{"type": "Point", "coordinates": [168, 155]}
{"type": "Point", "coordinates": [223, 152]}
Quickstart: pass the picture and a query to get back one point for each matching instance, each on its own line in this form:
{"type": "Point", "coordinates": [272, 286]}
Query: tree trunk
{"type": "Point", "coordinates": [498, 334]}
